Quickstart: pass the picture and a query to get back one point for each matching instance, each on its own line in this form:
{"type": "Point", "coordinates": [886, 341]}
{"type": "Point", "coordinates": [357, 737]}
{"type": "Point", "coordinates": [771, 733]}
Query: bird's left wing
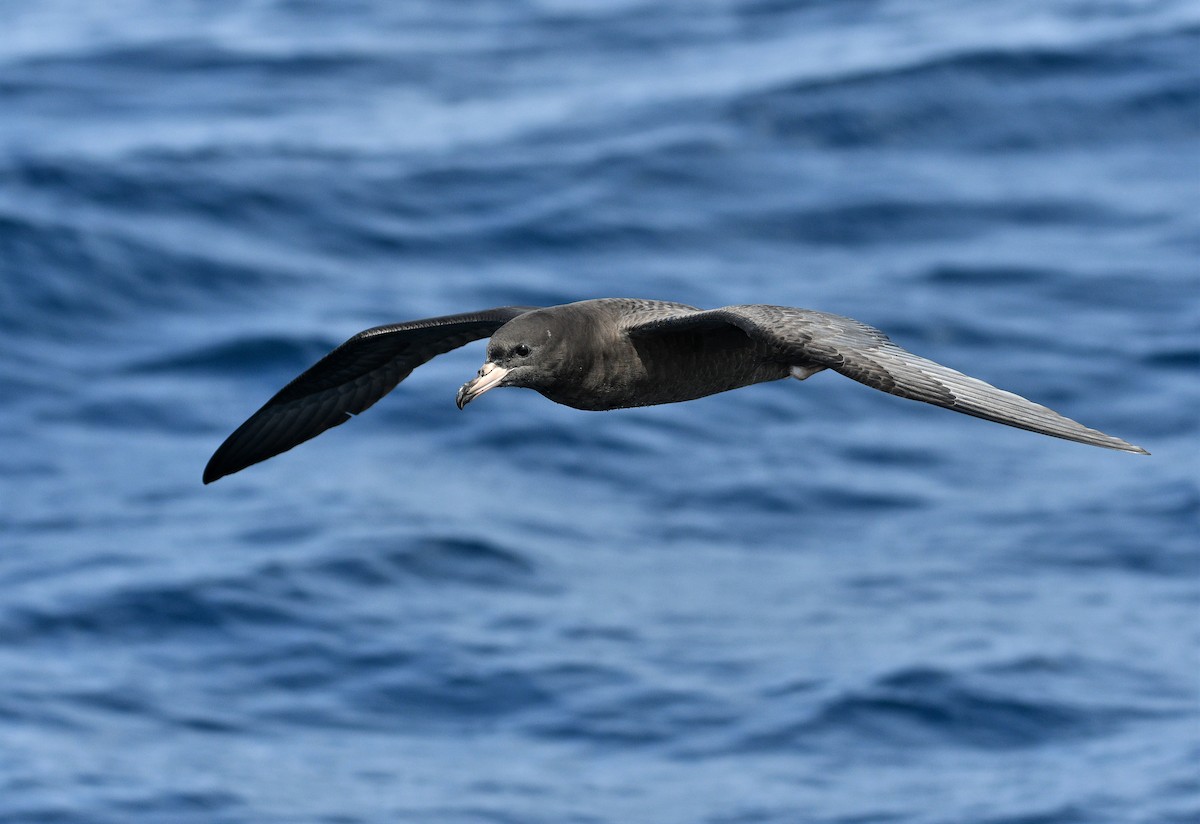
{"type": "Point", "coordinates": [810, 339]}
{"type": "Point", "coordinates": [347, 381]}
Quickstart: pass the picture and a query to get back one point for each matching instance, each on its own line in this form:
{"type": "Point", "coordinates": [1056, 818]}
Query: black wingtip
{"type": "Point", "coordinates": [218, 467]}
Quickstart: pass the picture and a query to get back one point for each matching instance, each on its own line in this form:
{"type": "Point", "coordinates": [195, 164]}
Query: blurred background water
{"type": "Point", "coordinates": [791, 603]}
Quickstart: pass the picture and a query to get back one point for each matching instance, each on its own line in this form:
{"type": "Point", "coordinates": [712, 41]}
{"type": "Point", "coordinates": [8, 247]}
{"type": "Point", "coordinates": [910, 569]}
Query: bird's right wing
{"type": "Point", "coordinates": [347, 381]}
{"type": "Point", "coordinates": [807, 338]}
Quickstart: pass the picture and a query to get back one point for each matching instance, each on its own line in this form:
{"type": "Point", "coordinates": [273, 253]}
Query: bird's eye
{"type": "Point", "coordinates": [521, 350]}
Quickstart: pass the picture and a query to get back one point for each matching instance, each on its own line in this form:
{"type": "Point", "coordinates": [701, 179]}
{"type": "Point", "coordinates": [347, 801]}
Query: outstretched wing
{"type": "Point", "coordinates": [346, 381]}
{"type": "Point", "coordinates": [806, 338]}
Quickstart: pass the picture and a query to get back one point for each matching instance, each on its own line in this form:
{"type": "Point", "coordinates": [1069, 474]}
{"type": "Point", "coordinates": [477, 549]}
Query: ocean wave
{"type": "Point", "coordinates": [928, 707]}
{"type": "Point", "coordinates": [971, 100]}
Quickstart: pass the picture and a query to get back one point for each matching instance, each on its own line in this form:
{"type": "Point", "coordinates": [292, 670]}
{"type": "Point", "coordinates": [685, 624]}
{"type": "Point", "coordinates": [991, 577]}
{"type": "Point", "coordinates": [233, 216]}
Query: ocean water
{"type": "Point", "coordinates": [791, 603]}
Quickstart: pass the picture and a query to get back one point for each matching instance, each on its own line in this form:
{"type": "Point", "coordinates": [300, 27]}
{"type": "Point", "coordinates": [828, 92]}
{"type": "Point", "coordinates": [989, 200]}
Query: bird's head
{"type": "Point", "coordinates": [527, 351]}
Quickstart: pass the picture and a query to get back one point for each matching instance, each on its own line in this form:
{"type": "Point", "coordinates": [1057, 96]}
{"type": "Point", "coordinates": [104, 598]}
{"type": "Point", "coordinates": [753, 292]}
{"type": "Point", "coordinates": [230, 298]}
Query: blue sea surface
{"type": "Point", "coordinates": [793, 603]}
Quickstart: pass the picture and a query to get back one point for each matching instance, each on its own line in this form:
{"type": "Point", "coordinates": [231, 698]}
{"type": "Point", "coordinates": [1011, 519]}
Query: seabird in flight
{"type": "Point", "coordinates": [614, 353]}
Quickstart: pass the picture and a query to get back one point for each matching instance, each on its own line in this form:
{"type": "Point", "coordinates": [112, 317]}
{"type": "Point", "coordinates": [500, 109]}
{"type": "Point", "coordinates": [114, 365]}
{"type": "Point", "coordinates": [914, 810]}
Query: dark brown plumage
{"type": "Point", "coordinates": [616, 352]}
